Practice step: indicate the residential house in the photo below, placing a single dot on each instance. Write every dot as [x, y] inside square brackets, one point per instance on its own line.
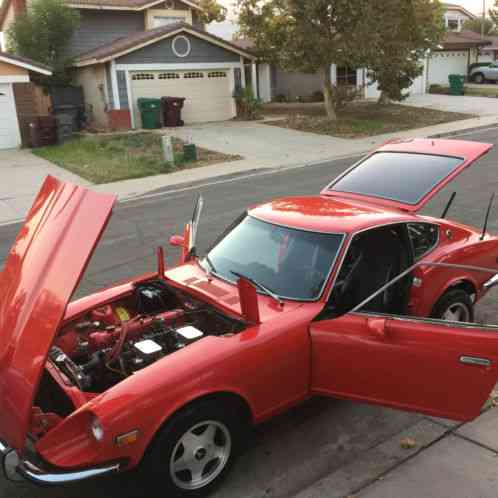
[458, 50]
[128, 49]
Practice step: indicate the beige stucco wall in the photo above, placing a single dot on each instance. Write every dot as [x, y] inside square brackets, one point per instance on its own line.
[92, 79]
[10, 70]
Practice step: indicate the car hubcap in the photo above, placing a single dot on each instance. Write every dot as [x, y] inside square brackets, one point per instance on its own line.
[200, 455]
[457, 312]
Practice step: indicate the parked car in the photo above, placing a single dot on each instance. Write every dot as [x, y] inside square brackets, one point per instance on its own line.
[328, 295]
[484, 74]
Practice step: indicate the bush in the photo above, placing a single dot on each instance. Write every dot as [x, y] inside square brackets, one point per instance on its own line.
[317, 96]
[439, 89]
[248, 106]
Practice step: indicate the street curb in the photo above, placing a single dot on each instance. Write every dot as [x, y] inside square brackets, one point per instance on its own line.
[464, 131]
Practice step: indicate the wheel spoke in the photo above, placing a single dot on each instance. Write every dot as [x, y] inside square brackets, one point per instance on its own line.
[208, 435]
[196, 470]
[190, 442]
[181, 464]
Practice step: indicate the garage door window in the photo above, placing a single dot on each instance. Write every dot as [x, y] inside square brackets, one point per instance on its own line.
[194, 75]
[142, 76]
[217, 74]
[169, 76]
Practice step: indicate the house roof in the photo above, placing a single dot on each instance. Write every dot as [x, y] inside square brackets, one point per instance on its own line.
[454, 6]
[244, 43]
[25, 63]
[463, 40]
[142, 39]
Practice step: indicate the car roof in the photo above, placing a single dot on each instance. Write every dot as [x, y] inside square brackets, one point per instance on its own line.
[327, 214]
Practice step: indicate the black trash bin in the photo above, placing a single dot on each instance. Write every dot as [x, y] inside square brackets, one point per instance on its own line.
[172, 111]
[43, 131]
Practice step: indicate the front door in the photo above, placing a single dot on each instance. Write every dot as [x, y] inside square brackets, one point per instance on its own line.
[432, 367]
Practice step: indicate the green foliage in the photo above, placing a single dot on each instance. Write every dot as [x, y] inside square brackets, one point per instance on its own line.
[212, 11]
[248, 106]
[493, 14]
[43, 34]
[406, 31]
[477, 24]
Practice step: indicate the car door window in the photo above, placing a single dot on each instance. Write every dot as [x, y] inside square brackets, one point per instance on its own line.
[424, 238]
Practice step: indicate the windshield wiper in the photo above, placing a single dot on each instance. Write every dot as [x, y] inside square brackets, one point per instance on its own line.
[267, 291]
[212, 268]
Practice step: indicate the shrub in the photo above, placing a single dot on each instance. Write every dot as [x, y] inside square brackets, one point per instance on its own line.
[317, 96]
[439, 89]
[248, 106]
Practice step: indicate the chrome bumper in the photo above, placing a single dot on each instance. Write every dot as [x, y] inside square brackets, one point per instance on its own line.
[19, 469]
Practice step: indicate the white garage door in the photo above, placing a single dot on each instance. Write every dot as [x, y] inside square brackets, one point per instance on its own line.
[208, 94]
[9, 126]
[442, 64]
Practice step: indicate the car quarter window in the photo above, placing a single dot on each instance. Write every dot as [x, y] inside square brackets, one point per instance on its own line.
[424, 237]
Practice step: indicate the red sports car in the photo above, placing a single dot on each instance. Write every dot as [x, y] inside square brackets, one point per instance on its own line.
[336, 294]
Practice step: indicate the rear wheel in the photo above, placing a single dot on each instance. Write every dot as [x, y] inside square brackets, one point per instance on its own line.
[196, 448]
[454, 306]
[478, 78]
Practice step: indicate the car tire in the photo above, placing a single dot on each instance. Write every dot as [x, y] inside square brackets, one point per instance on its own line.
[478, 78]
[455, 305]
[211, 433]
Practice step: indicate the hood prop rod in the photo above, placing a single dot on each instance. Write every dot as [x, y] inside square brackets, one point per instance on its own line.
[447, 208]
[490, 205]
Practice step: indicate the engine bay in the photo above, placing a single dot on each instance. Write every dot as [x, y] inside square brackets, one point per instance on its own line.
[116, 340]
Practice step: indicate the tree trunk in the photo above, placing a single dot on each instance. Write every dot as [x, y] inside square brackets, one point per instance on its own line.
[383, 99]
[328, 94]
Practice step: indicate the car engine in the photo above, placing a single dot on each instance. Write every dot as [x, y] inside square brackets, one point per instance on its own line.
[118, 339]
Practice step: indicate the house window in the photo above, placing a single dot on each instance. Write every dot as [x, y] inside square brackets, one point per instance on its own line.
[169, 76]
[193, 75]
[453, 25]
[346, 76]
[217, 74]
[142, 76]
[159, 21]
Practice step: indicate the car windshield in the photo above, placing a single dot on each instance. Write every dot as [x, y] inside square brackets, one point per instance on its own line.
[292, 263]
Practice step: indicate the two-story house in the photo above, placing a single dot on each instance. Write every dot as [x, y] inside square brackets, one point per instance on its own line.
[128, 49]
[455, 16]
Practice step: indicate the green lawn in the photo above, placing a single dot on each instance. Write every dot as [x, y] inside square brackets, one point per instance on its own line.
[361, 119]
[109, 158]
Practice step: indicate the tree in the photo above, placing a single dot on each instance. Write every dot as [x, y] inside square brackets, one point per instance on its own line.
[308, 36]
[212, 11]
[406, 31]
[477, 24]
[43, 33]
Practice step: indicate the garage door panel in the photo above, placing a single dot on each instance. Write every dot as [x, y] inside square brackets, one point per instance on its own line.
[207, 93]
[444, 63]
[9, 126]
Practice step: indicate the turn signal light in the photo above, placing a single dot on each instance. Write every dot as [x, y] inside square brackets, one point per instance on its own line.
[128, 438]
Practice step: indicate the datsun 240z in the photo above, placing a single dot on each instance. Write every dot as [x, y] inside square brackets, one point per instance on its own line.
[350, 293]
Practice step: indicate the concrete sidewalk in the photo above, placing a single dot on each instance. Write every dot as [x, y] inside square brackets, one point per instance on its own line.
[449, 460]
[262, 146]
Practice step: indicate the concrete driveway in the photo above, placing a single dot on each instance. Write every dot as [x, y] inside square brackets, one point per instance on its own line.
[480, 106]
[21, 174]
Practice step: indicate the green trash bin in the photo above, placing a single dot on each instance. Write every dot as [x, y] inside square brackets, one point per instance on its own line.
[150, 112]
[457, 82]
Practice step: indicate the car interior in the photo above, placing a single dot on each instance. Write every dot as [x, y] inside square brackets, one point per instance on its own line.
[373, 259]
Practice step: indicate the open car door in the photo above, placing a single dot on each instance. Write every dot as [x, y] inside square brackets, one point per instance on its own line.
[407, 174]
[438, 368]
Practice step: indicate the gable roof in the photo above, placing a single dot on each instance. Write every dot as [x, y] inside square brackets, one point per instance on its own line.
[124, 4]
[25, 63]
[135, 41]
[454, 6]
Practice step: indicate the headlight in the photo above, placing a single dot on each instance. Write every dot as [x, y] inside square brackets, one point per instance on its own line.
[97, 429]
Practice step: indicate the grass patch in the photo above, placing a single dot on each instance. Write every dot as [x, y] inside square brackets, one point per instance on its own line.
[362, 119]
[109, 158]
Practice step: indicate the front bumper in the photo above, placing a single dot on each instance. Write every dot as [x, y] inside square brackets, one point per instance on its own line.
[34, 470]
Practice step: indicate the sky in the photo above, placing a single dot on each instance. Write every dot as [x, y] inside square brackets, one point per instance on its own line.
[227, 29]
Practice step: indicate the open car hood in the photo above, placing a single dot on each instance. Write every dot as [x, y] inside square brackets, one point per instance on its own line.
[41, 273]
[406, 174]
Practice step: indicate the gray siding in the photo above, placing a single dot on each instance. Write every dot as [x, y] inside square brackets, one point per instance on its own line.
[161, 52]
[123, 93]
[98, 28]
[294, 85]
[108, 80]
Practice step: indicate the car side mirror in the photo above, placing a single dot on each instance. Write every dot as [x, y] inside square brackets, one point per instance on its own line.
[177, 241]
[377, 326]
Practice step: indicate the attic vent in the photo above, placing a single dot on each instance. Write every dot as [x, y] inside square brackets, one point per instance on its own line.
[193, 75]
[143, 76]
[169, 76]
[217, 74]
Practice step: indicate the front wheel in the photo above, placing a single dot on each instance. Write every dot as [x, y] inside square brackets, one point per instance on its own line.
[195, 450]
[454, 306]
[479, 78]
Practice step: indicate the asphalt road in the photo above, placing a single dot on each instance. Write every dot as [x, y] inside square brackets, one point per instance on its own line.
[299, 448]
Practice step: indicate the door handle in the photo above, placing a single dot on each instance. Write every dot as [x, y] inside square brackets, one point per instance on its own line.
[475, 360]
